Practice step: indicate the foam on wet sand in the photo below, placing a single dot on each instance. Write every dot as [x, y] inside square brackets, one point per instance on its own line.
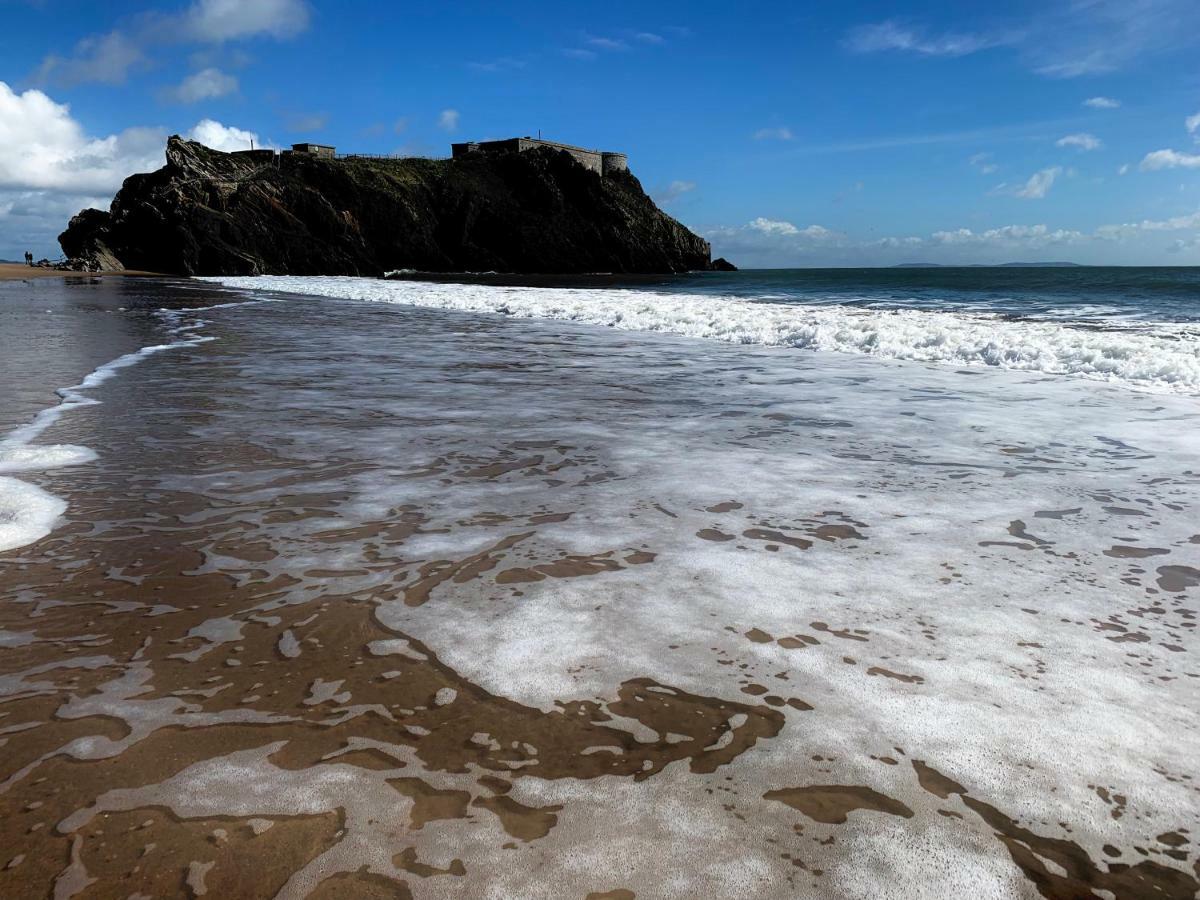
[438, 594]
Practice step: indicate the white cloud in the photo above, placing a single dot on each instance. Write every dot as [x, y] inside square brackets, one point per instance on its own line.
[1039, 184]
[770, 226]
[1170, 159]
[43, 148]
[891, 35]
[1101, 102]
[578, 53]
[774, 134]
[769, 242]
[604, 43]
[1083, 141]
[50, 168]
[213, 134]
[104, 58]
[1129, 229]
[649, 37]
[216, 21]
[780, 228]
[207, 84]
[673, 192]
[108, 58]
[1089, 37]
[1027, 236]
[1063, 39]
[983, 162]
[448, 120]
[1124, 170]
[1192, 124]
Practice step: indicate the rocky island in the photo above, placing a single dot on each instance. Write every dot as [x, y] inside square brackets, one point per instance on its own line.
[537, 210]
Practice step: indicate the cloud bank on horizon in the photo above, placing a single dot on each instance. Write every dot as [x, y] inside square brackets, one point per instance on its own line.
[946, 135]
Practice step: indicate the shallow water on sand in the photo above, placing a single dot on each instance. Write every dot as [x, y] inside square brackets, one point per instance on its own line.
[355, 595]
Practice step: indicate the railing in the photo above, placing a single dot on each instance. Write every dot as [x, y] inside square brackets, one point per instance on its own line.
[387, 156]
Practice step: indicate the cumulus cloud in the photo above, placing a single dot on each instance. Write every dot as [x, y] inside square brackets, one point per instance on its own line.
[50, 167]
[1170, 159]
[1039, 184]
[771, 226]
[216, 21]
[892, 35]
[1192, 124]
[207, 84]
[448, 120]
[774, 134]
[1010, 236]
[1083, 141]
[787, 229]
[673, 192]
[1101, 102]
[42, 147]
[105, 58]
[773, 241]
[226, 138]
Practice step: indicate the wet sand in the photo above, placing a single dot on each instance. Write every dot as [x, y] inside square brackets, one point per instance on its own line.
[21, 272]
[366, 602]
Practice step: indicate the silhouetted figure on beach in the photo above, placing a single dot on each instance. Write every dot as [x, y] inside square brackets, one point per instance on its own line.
[28, 258]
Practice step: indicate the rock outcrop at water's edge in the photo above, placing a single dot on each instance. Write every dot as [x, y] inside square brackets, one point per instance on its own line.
[208, 212]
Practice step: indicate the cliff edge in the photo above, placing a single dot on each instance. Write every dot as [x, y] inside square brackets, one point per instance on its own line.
[207, 213]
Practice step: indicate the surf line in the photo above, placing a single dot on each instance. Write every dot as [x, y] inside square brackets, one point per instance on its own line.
[27, 512]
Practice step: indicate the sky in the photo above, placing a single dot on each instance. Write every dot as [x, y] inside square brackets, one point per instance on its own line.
[790, 134]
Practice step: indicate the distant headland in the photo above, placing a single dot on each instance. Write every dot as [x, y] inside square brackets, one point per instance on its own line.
[520, 205]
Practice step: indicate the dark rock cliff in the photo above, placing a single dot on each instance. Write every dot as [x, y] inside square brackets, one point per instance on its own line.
[208, 212]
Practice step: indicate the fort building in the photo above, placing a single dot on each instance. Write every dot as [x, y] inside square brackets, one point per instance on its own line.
[602, 162]
[325, 151]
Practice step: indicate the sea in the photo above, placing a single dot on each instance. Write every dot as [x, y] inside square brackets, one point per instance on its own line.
[821, 583]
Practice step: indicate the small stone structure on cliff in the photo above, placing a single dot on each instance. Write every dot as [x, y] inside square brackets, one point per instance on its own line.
[602, 162]
[325, 151]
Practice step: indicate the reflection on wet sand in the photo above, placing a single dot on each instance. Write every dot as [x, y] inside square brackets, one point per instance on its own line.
[334, 614]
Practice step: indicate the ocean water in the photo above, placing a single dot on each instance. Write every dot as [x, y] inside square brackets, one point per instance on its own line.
[1135, 326]
[694, 588]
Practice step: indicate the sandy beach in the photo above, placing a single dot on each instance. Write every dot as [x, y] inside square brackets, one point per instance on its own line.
[22, 272]
[443, 604]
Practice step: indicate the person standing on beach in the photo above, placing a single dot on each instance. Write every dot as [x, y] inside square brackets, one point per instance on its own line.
[28, 258]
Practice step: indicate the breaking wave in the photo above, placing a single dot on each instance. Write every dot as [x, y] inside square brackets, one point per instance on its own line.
[1163, 356]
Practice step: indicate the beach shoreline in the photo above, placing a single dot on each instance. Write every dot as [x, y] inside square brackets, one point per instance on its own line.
[440, 591]
[22, 272]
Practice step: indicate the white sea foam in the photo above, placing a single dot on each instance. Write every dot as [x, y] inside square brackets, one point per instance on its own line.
[29, 513]
[1160, 356]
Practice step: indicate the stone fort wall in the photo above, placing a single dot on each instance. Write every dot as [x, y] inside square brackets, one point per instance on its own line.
[600, 162]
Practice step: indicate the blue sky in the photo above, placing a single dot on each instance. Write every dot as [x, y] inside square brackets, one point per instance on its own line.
[859, 133]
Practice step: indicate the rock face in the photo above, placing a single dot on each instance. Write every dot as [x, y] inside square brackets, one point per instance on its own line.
[208, 212]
